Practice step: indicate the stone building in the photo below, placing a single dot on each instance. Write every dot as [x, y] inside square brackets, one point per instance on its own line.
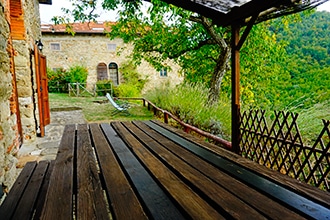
[19, 113]
[92, 48]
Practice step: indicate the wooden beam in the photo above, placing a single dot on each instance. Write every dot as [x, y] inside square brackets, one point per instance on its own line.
[247, 31]
[235, 78]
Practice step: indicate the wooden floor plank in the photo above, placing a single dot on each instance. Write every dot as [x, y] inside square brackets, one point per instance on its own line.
[25, 208]
[296, 195]
[229, 203]
[155, 200]
[194, 205]
[59, 202]
[267, 206]
[90, 198]
[123, 200]
[43, 190]
[8, 207]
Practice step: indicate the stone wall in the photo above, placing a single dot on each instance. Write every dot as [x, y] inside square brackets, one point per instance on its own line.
[25, 70]
[8, 132]
[17, 71]
[91, 49]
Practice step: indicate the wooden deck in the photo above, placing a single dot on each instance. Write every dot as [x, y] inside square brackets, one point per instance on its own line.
[149, 170]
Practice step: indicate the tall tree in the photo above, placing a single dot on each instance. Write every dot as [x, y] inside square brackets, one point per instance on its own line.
[168, 32]
[200, 47]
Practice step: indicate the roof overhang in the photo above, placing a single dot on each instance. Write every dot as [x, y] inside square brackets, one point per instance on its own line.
[239, 12]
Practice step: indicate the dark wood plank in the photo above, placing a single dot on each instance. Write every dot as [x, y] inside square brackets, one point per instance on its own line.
[9, 206]
[294, 185]
[281, 187]
[43, 190]
[125, 204]
[156, 201]
[193, 204]
[90, 198]
[267, 206]
[225, 201]
[25, 208]
[59, 202]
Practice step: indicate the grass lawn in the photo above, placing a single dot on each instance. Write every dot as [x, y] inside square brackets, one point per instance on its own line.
[98, 112]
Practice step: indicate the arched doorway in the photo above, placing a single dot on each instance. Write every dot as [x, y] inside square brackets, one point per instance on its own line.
[113, 72]
[102, 72]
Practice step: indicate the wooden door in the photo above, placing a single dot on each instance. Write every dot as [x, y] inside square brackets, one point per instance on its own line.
[102, 71]
[42, 91]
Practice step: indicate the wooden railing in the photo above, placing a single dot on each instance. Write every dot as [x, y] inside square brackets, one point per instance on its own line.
[280, 147]
[224, 143]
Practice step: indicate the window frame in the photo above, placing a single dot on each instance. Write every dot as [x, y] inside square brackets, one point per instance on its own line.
[53, 44]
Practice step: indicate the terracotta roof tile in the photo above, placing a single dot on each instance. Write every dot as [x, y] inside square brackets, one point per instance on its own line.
[87, 27]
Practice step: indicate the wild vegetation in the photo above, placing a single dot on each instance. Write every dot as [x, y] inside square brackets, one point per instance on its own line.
[58, 79]
[284, 62]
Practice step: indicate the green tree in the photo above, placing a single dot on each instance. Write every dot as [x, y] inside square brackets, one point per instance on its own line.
[200, 47]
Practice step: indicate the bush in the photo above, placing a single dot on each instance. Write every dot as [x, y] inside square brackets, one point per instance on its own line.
[103, 87]
[77, 74]
[132, 78]
[58, 80]
[126, 90]
[189, 103]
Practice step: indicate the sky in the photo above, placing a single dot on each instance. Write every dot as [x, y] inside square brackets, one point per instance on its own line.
[49, 11]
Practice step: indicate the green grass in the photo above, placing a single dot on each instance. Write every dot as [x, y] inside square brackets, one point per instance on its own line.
[94, 111]
[189, 103]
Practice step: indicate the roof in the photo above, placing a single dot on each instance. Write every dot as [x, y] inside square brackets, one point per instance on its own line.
[230, 12]
[88, 27]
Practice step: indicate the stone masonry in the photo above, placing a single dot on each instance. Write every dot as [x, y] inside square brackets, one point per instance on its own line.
[7, 118]
[19, 29]
[89, 48]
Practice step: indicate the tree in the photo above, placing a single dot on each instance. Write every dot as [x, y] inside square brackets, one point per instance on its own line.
[200, 47]
[167, 32]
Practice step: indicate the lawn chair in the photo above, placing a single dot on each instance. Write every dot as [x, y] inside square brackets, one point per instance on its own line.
[118, 107]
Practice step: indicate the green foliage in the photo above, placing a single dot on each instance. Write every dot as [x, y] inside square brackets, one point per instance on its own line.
[308, 48]
[133, 83]
[132, 77]
[189, 102]
[126, 90]
[58, 80]
[77, 74]
[103, 87]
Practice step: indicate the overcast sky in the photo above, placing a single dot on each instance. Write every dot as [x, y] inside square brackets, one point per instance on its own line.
[49, 11]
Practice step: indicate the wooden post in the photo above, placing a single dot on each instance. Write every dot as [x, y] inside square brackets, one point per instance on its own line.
[165, 117]
[235, 78]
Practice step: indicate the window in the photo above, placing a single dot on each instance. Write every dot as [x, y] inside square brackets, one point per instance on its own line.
[113, 73]
[112, 47]
[55, 46]
[163, 72]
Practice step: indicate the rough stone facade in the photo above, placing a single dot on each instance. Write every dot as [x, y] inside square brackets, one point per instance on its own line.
[8, 119]
[90, 49]
[25, 70]
[19, 29]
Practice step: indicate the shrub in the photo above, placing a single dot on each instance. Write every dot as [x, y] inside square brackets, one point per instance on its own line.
[58, 80]
[126, 90]
[103, 87]
[132, 78]
[189, 103]
[77, 74]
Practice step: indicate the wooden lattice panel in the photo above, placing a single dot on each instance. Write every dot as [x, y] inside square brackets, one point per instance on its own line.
[280, 147]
